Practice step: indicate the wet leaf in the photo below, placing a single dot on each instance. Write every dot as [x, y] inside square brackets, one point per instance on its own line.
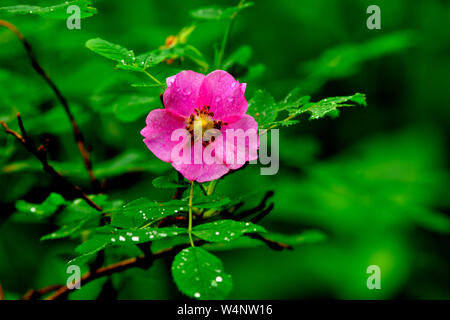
[199, 274]
[224, 230]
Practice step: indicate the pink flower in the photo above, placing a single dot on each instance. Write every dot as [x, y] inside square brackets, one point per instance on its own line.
[212, 102]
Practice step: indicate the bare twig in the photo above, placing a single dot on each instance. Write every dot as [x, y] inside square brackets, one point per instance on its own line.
[41, 154]
[76, 131]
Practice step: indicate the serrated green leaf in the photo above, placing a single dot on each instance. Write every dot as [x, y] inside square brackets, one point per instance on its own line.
[110, 50]
[142, 212]
[329, 105]
[58, 11]
[199, 274]
[225, 230]
[124, 237]
[263, 108]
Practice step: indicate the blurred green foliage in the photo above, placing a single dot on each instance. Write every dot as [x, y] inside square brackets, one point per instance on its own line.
[374, 180]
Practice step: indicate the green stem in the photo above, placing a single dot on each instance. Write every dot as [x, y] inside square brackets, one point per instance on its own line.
[153, 78]
[226, 36]
[191, 194]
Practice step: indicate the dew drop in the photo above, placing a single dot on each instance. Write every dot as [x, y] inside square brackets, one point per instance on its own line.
[33, 209]
[113, 239]
[219, 279]
[197, 295]
[121, 238]
[135, 238]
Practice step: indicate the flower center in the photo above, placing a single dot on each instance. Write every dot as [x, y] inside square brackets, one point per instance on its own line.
[203, 120]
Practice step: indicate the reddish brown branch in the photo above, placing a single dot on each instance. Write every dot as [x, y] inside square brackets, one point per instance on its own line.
[41, 154]
[2, 294]
[76, 131]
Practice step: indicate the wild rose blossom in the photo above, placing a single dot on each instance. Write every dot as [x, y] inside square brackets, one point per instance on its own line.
[212, 107]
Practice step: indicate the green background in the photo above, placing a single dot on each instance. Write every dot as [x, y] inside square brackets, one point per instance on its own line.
[374, 180]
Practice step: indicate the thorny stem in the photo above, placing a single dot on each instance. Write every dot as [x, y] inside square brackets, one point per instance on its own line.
[226, 36]
[191, 194]
[76, 130]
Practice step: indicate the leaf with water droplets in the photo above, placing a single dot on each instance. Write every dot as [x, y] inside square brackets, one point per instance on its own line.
[329, 106]
[40, 211]
[263, 108]
[110, 50]
[199, 274]
[225, 230]
[143, 211]
[58, 11]
[144, 235]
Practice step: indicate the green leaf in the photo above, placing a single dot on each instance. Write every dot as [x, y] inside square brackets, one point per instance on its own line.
[263, 108]
[44, 210]
[67, 230]
[199, 274]
[58, 11]
[142, 212]
[329, 105]
[110, 50]
[93, 245]
[144, 235]
[210, 202]
[168, 182]
[294, 240]
[225, 230]
[294, 99]
[217, 13]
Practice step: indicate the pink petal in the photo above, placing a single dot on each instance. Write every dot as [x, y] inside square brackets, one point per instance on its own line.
[201, 172]
[239, 156]
[224, 95]
[182, 92]
[160, 125]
